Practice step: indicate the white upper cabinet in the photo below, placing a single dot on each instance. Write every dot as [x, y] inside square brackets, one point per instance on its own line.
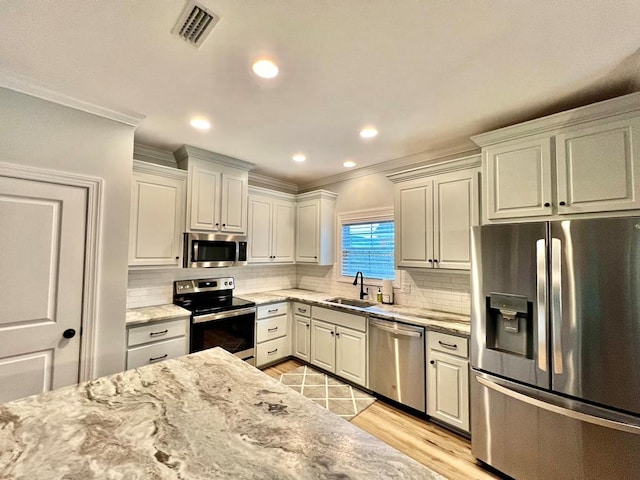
[435, 208]
[585, 160]
[518, 179]
[157, 215]
[216, 192]
[271, 226]
[315, 227]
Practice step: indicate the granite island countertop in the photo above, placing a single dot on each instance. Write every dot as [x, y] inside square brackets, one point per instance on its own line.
[202, 416]
[446, 322]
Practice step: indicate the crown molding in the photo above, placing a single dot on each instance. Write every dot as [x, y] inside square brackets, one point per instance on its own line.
[186, 152]
[619, 106]
[155, 169]
[472, 161]
[464, 148]
[27, 86]
[268, 192]
[155, 155]
[258, 180]
[326, 194]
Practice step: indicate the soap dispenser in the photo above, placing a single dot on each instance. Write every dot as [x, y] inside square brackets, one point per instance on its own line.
[379, 295]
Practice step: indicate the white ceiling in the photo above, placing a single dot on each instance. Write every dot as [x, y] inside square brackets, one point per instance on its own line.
[427, 73]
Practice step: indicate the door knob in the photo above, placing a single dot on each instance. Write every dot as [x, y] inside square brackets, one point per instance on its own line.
[69, 333]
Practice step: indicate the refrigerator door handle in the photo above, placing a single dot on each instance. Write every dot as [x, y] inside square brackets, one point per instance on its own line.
[583, 417]
[541, 300]
[556, 304]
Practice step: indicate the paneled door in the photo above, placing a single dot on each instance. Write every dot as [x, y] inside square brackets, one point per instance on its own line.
[42, 252]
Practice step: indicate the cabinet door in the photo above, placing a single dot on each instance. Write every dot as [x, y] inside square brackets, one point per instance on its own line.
[323, 345]
[307, 229]
[414, 233]
[518, 179]
[597, 167]
[156, 219]
[301, 337]
[351, 355]
[283, 231]
[448, 389]
[456, 205]
[204, 198]
[233, 205]
[260, 220]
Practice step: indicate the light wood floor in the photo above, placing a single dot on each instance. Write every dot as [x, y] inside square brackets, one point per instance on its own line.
[437, 448]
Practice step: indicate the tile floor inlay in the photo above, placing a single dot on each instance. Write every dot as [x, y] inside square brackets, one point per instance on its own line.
[328, 392]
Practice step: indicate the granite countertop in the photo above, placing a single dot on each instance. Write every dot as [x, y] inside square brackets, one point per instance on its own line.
[202, 416]
[156, 313]
[435, 320]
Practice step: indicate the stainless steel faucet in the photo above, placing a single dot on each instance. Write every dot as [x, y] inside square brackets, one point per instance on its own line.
[355, 282]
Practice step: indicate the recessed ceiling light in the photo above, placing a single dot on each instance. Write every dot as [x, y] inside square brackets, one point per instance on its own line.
[265, 68]
[200, 124]
[368, 132]
[349, 164]
[298, 157]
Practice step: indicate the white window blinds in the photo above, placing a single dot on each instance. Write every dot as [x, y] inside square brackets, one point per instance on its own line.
[368, 247]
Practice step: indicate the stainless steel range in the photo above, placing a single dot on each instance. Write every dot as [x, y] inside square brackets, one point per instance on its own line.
[218, 319]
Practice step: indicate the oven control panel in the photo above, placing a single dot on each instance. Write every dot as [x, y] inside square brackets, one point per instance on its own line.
[203, 285]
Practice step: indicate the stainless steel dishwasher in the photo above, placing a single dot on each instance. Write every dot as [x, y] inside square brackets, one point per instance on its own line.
[397, 362]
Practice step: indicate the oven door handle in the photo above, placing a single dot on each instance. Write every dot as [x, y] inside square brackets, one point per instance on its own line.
[212, 317]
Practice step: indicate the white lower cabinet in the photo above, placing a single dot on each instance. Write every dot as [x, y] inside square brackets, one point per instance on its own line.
[272, 333]
[301, 338]
[339, 344]
[157, 341]
[448, 379]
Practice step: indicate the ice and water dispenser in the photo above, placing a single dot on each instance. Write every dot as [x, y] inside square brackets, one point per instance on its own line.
[509, 324]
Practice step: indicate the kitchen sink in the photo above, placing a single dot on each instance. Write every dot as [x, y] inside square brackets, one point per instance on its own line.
[351, 302]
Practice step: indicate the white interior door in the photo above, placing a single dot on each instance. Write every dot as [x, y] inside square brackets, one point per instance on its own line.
[42, 249]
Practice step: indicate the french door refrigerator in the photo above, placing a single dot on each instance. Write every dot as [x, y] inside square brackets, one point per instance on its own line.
[555, 348]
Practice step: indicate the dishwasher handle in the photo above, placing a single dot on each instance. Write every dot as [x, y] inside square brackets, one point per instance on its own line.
[407, 331]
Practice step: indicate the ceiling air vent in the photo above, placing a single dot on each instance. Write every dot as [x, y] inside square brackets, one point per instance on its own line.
[195, 24]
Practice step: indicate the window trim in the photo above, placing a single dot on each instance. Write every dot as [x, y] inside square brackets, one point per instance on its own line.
[370, 215]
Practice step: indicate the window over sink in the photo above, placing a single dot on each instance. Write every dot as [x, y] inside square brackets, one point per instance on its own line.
[367, 244]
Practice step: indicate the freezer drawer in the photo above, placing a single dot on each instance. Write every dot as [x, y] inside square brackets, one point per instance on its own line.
[529, 434]
[397, 362]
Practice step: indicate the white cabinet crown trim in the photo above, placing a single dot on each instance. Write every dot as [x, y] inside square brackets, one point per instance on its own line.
[161, 170]
[188, 152]
[447, 166]
[618, 107]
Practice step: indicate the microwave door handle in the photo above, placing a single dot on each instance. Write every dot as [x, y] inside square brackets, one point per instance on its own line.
[194, 251]
[541, 300]
[556, 304]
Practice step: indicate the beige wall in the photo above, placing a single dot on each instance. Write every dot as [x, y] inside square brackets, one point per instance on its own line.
[370, 191]
[42, 134]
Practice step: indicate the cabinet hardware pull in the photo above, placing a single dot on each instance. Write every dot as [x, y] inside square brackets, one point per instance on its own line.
[272, 352]
[224, 224]
[272, 329]
[432, 362]
[429, 260]
[332, 334]
[435, 260]
[547, 204]
[273, 311]
[563, 203]
[302, 310]
[158, 358]
[158, 334]
[307, 325]
[448, 345]
[338, 335]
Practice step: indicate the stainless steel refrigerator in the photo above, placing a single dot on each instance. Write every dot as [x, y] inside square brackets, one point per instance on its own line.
[555, 348]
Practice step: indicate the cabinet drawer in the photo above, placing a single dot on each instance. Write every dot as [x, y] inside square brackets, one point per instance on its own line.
[272, 351]
[340, 318]
[157, 331]
[302, 309]
[266, 311]
[271, 328]
[156, 352]
[451, 344]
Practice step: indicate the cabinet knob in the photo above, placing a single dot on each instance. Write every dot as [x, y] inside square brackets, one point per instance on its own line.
[435, 260]
[217, 224]
[563, 203]
[432, 362]
[177, 258]
[332, 334]
[338, 335]
[430, 260]
[307, 325]
[547, 204]
[224, 224]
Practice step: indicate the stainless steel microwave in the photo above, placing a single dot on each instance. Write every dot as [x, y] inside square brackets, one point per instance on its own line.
[207, 250]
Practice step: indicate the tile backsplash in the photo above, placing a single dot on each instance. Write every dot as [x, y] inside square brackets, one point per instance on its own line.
[444, 290]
